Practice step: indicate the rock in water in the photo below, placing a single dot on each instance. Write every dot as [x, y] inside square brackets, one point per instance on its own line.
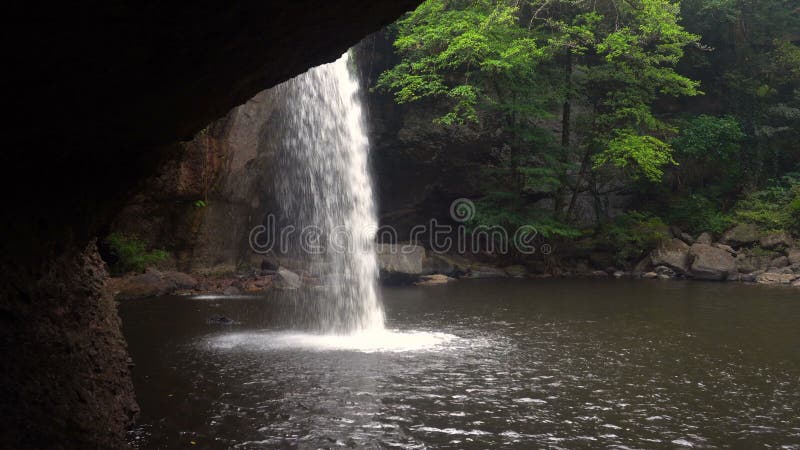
[219, 319]
[776, 278]
[401, 258]
[486, 272]
[711, 263]
[673, 254]
[286, 279]
[231, 290]
[665, 272]
[516, 271]
[434, 280]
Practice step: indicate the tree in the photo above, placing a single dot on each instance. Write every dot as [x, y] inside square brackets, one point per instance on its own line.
[522, 59]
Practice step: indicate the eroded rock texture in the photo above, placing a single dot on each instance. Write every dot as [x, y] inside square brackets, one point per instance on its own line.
[63, 337]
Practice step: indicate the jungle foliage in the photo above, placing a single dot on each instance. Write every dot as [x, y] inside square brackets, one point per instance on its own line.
[693, 106]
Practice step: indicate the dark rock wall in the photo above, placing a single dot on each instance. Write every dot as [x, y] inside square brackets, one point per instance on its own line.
[227, 168]
[65, 364]
[98, 95]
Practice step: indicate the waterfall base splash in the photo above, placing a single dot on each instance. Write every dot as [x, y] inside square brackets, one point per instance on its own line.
[365, 342]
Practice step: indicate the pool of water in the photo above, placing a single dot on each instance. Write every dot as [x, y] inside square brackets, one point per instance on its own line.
[478, 364]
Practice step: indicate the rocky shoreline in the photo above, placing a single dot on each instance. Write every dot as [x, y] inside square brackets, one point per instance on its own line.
[743, 254]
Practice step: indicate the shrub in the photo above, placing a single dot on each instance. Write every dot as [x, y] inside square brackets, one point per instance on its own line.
[630, 236]
[698, 214]
[794, 213]
[131, 253]
[510, 211]
[776, 207]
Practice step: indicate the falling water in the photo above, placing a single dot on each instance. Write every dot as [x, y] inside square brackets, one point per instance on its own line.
[324, 190]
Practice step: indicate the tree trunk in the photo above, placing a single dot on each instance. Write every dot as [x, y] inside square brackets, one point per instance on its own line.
[566, 118]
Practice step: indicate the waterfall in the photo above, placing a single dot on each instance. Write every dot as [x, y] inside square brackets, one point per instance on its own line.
[324, 190]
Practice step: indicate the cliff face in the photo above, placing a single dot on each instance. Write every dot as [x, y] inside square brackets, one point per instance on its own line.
[202, 203]
[100, 93]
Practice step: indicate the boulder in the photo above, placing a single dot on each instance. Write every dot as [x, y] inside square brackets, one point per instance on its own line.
[598, 274]
[437, 263]
[778, 241]
[705, 238]
[779, 262]
[794, 256]
[286, 279]
[776, 278]
[727, 248]
[219, 319]
[434, 280]
[754, 259]
[647, 275]
[145, 285]
[139, 288]
[784, 270]
[686, 237]
[665, 272]
[181, 280]
[231, 290]
[746, 264]
[486, 272]
[742, 234]
[750, 277]
[673, 254]
[641, 267]
[711, 263]
[402, 259]
[516, 271]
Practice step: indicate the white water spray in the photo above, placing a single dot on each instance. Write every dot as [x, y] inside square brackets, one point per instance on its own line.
[324, 190]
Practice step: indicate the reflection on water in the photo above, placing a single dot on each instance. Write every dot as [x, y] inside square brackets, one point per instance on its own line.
[560, 364]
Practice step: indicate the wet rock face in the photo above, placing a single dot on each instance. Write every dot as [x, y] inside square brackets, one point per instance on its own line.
[65, 382]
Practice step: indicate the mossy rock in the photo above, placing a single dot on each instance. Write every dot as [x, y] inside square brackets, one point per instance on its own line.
[742, 234]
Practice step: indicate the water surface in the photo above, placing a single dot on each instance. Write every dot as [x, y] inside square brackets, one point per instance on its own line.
[479, 364]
